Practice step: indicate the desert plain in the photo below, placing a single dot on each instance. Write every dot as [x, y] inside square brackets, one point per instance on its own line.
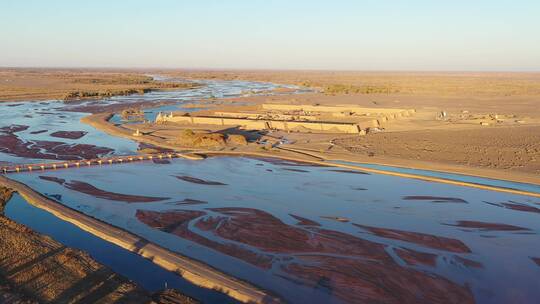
[478, 124]
[490, 126]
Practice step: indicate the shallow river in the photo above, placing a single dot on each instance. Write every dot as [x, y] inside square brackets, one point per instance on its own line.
[309, 234]
[318, 234]
[33, 132]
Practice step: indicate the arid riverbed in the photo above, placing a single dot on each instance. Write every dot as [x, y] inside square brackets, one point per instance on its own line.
[300, 231]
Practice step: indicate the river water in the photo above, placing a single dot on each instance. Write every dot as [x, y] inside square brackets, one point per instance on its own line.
[29, 130]
[309, 234]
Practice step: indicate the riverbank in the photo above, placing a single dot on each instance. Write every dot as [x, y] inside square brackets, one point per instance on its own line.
[193, 271]
[100, 121]
[469, 123]
[305, 153]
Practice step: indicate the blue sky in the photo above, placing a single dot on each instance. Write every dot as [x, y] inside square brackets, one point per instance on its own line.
[338, 34]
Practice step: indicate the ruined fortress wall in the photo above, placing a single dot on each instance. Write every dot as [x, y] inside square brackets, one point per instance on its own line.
[265, 124]
[177, 119]
[325, 127]
[208, 121]
[235, 114]
[257, 115]
[330, 109]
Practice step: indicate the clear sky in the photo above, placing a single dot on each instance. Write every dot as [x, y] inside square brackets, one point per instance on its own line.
[273, 34]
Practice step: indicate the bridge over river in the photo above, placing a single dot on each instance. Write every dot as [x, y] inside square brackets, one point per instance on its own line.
[18, 168]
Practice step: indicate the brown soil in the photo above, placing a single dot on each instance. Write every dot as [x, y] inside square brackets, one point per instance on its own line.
[89, 189]
[413, 257]
[236, 139]
[468, 263]
[10, 143]
[353, 281]
[188, 138]
[13, 128]
[483, 226]
[348, 277]
[428, 240]
[516, 206]
[190, 201]
[505, 148]
[155, 149]
[42, 270]
[171, 296]
[521, 207]
[69, 134]
[176, 222]
[199, 181]
[39, 132]
[435, 199]
[348, 171]
[5, 196]
[161, 161]
[304, 221]
[205, 139]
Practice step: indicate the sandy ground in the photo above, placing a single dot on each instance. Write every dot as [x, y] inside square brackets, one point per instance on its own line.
[46, 84]
[510, 152]
[507, 147]
[437, 84]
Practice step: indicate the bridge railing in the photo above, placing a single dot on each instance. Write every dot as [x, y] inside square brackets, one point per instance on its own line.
[18, 168]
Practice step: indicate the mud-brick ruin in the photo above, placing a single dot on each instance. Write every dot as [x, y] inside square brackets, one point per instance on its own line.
[294, 118]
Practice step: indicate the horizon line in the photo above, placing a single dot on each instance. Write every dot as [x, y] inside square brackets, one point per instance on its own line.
[207, 69]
